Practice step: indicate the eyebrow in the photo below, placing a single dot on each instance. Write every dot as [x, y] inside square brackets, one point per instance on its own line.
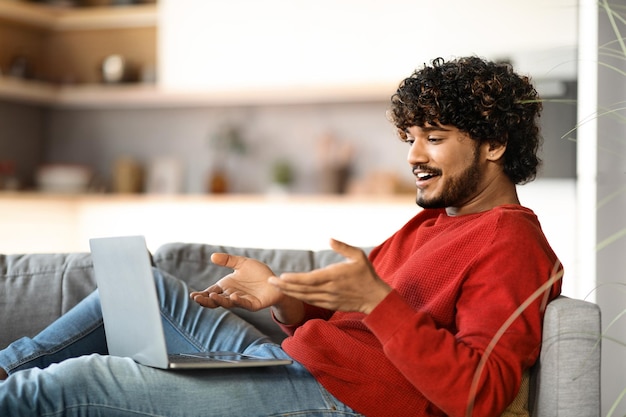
[436, 127]
[429, 129]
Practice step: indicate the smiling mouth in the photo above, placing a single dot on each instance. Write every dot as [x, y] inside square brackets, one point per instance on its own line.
[423, 176]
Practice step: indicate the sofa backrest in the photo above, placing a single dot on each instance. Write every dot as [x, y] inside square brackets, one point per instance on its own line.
[35, 289]
[192, 263]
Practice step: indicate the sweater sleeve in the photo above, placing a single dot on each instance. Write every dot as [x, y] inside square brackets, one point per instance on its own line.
[480, 364]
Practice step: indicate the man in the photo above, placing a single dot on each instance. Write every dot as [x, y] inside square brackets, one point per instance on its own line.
[429, 324]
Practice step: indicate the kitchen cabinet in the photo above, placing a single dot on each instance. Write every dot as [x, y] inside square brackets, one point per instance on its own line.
[54, 54]
[210, 53]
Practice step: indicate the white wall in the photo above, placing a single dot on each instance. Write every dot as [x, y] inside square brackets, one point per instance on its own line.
[249, 43]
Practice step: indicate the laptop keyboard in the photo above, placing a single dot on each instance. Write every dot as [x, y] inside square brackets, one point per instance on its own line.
[213, 357]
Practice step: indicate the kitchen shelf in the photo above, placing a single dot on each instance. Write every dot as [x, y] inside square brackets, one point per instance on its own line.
[59, 21]
[153, 96]
[82, 35]
[65, 18]
[16, 89]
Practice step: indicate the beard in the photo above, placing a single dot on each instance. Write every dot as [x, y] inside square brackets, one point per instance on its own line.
[458, 189]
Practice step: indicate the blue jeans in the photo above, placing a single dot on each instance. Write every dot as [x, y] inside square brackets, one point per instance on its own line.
[65, 370]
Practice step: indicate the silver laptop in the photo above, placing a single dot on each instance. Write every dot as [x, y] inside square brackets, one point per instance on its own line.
[130, 310]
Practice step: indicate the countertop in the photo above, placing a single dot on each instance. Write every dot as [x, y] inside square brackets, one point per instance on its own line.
[42, 222]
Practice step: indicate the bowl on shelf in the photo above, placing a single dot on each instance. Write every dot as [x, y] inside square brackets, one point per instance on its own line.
[63, 178]
[100, 3]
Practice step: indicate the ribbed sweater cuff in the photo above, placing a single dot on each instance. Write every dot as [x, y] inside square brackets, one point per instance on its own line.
[388, 316]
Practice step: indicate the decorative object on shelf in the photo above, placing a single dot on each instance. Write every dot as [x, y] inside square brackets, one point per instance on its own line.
[64, 178]
[283, 172]
[128, 176]
[335, 160]
[117, 69]
[21, 67]
[148, 74]
[113, 69]
[218, 182]
[165, 176]
[282, 177]
[9, 180]
[227, 145]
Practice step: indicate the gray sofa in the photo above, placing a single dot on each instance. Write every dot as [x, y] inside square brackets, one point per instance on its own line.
[37, 288]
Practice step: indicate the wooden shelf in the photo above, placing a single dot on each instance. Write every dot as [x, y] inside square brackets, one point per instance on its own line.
[83, 35]
[153, 96]
[60, 19]
[15, 89]
[65, 22]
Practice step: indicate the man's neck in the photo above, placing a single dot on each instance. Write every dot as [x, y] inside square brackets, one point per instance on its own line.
[489, 198]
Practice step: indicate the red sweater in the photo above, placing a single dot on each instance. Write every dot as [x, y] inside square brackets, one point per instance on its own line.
[456, 280]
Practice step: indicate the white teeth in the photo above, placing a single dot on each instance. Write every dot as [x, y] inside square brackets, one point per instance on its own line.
[422, 175]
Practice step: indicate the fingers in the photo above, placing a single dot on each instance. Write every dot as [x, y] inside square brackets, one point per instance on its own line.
[229, 261]
[213, 288]
[207, 298]
[297, 286]
[292, 283]
[350, 252]
[204, 300]
[212, 299]
[315, 277]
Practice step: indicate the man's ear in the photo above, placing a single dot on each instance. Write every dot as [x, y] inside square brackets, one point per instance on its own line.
[495, 151]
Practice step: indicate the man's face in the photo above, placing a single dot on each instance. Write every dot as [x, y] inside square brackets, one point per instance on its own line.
[447, 166]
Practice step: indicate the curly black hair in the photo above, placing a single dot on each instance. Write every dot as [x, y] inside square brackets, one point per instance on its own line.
[486, 100]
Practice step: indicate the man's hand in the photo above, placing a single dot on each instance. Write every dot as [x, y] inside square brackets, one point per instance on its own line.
[352, 285]
[246, 287]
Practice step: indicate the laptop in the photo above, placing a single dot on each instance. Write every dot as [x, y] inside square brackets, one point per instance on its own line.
[131, 314]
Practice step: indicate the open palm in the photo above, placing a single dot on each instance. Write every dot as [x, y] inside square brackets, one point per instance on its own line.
[245, 287]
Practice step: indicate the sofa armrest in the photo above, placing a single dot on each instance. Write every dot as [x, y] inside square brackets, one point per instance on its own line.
[567, 375]
[35, 289]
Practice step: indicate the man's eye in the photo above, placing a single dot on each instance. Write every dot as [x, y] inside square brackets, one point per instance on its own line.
[410, 141]
[433, 139]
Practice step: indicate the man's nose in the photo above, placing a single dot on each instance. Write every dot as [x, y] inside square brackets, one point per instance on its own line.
[416, 154]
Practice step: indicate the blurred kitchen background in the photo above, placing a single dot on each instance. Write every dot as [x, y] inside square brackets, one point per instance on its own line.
[243, 96]
[256, 123]
[244, 122]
